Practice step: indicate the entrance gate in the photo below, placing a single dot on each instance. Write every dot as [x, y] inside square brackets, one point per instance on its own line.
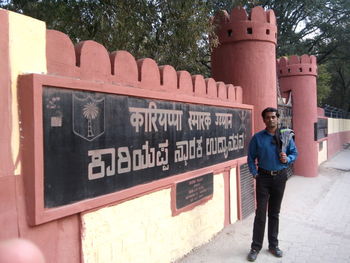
[285, 109]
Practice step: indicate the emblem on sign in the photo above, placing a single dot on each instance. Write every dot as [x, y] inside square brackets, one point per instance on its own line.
[88, 116]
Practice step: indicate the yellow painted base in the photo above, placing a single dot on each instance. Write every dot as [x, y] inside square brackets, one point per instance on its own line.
[233, 196]
[322, 154]
[144, 230]
[338, 125]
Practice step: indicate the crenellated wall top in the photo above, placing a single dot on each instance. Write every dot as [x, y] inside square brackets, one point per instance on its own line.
[297, 66]
[89, 60]
[259, 25]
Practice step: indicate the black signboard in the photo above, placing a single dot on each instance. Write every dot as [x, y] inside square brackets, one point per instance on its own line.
[98, 143]
[321, 128]
[193, 190]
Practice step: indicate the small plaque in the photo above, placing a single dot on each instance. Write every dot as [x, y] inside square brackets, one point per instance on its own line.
[193, 190]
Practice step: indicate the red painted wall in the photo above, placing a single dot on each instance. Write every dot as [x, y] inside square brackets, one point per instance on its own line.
[7, 166]
[336, 142]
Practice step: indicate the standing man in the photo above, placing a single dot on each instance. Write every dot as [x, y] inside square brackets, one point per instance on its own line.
[268, 165]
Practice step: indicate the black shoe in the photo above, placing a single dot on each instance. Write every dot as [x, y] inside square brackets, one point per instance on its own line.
[252, 255]
[276, 252]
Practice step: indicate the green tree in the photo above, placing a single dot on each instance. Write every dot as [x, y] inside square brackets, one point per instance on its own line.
[171, 32]
[340, 80]
[323, 84]
[176, 32]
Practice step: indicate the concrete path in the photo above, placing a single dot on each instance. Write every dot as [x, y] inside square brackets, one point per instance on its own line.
[314, 222]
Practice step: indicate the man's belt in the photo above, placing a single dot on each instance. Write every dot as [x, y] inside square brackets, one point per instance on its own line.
[271, 173]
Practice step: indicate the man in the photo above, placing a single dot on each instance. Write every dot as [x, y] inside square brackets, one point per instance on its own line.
[271, 177]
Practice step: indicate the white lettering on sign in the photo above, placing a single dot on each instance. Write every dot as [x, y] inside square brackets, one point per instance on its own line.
[152, 117]
[188, 150]
[199, 120]
[223, 119]
[219, 145]
[127, 160]
[98, 164]
[123, 160]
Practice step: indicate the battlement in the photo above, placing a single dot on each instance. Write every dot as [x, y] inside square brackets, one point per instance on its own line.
[297, 66]
[260, 25]
[90, 60]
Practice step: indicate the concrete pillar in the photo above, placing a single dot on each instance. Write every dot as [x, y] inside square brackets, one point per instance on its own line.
[246, 56]
[298, 76]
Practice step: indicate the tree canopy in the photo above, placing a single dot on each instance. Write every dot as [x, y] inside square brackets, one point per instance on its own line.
[176, 32]
[171, 32]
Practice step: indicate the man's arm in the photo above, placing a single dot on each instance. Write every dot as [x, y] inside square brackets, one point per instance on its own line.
[292, 152]
[252, 154]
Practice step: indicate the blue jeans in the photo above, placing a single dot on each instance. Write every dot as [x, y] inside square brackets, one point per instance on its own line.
[269, 194]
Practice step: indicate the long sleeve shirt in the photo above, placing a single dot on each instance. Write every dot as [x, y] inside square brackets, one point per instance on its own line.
[263, 149]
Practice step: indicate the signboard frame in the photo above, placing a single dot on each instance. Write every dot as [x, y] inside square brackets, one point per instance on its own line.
[31, 105]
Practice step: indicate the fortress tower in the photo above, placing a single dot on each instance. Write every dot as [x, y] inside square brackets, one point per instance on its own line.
[246, 56]
[298, 76]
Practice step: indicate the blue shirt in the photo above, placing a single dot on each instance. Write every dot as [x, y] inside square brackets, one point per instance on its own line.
[263, 148]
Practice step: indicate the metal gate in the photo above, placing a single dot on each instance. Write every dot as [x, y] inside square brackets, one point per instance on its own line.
[285, 109]
[247, 191]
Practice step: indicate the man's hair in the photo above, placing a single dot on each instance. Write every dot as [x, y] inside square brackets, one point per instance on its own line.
[270, 109]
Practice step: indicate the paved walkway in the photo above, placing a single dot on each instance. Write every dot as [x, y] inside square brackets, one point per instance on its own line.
[314, 222]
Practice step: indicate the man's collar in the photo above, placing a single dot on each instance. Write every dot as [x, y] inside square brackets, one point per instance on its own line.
[267, 132]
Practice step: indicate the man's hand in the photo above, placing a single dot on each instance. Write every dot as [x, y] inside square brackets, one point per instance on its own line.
[283, 157]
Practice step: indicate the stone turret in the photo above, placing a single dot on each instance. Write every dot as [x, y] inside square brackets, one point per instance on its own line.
[246, 56]
[298, 76]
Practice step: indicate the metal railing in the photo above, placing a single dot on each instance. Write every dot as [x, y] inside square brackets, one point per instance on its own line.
[334, 112]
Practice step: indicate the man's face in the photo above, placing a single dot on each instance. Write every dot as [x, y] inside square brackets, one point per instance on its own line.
[270, 120]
